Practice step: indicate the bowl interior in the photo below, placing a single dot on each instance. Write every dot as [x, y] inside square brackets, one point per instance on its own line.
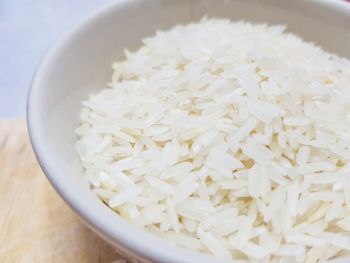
[81, 64]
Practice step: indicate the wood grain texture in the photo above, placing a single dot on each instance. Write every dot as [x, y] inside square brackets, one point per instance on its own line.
[35, 224]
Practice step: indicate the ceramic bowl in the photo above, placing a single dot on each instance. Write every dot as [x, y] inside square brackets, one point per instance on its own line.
[80, 63]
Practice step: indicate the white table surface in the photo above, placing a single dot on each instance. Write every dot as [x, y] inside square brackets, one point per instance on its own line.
[27, 30]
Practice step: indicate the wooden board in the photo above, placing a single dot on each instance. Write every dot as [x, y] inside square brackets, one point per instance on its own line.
[35, 224]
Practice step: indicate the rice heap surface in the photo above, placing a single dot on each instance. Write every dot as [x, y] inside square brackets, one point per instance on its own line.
[227, 138]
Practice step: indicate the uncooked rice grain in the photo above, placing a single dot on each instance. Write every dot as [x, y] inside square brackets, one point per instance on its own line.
[226, 138]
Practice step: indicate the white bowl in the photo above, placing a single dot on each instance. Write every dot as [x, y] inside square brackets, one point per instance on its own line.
[80, 63]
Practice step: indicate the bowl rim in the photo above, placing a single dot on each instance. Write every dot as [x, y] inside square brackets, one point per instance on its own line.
[155, 251]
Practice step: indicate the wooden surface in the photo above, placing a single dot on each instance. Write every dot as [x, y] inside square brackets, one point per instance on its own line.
[35, 224]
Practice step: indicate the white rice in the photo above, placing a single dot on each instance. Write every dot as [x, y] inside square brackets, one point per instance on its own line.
[227, 138]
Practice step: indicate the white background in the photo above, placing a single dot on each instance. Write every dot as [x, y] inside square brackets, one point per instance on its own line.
[27, 30]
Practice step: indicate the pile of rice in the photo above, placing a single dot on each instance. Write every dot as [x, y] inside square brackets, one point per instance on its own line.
[227, 138]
